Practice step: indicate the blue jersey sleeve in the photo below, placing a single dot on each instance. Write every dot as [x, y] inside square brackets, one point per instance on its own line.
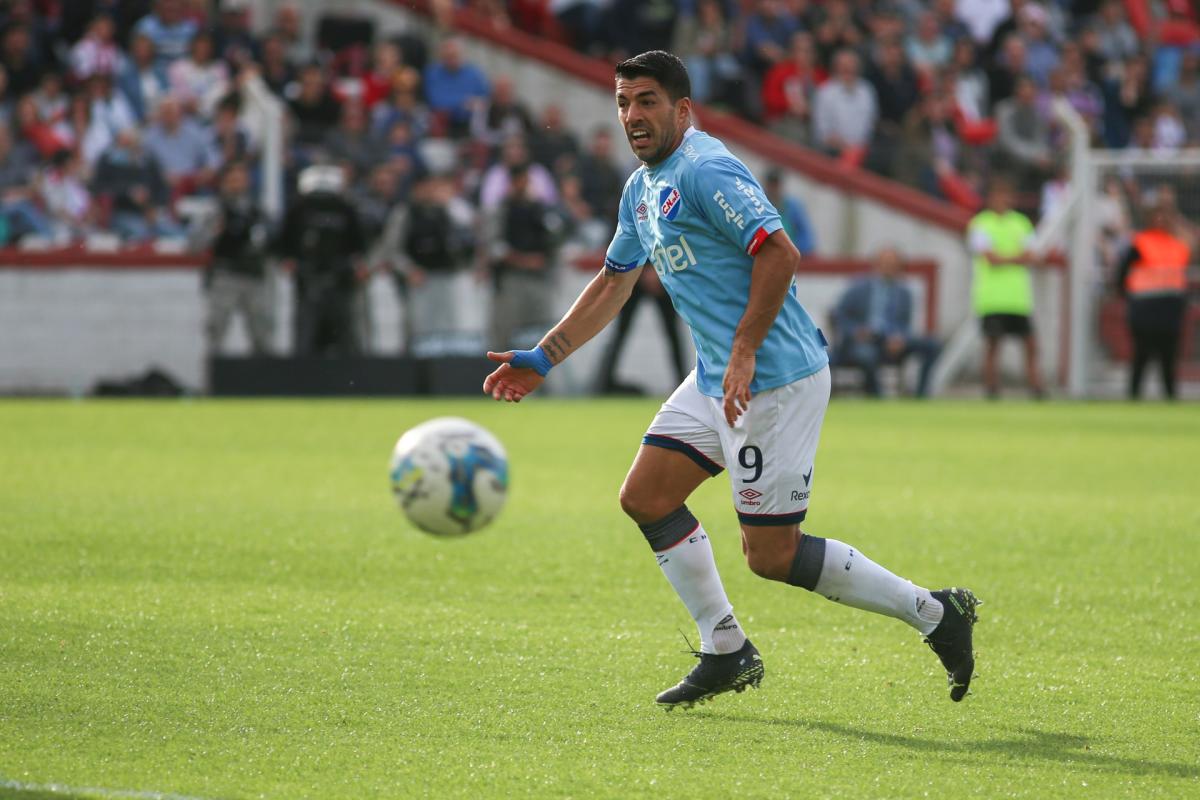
[735, 204]
[625, 253]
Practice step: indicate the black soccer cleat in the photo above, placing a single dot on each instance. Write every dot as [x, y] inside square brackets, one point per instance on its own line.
[951, 639]
[714, 675]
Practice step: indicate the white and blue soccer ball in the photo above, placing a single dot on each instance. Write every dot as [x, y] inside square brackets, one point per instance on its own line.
[450, 476]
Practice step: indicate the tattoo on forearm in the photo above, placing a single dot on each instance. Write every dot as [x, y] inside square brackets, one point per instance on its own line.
[557, 347]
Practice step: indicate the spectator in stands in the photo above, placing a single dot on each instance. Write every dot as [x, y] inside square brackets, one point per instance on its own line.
[837, 30]
[769, 29]
[277, 70]
[142, 79]
[64, 194]
[236, 279]
[29, 127]
[1170, 134]
[1117, 40]
[228, 140]
[982, 17]
[1185, 94]
[950, 25]
[289, 24]
[428, 244]
[790, 87]
[181, 148]
[1078, 89]
[1153, 279]
[601, 182]
[584, 23]
[323, 243]
[636, 26]
[20, 60]
[352, 144]
[6, 102]
[96, 53]
[314, 108]
[169, 29]
[403, 104]
[84, 133]
[52, 102]
[845, 111]
[454, 88]
[704, 41]
[895, 85]
[927, 47]
[375, 201]
[233, 40]
[792, 212]
[970, 82]
[928, 155]
[495, 184]
[404, 155]
[130, 180]
[1023, 137]
[873, 320]
[21, 215]
[524, 235]
[109, 107]
[502, 115]
[1008, 68]
[1127, 98]
[999, 239]
[199, 80]
[553, 145]
[1041, 49]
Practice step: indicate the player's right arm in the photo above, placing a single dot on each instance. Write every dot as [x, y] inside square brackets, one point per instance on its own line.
[521, 372]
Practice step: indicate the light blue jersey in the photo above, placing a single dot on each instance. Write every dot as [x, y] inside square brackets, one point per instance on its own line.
[701, 216]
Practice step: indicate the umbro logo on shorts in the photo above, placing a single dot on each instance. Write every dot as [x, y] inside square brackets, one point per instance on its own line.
[750, 496]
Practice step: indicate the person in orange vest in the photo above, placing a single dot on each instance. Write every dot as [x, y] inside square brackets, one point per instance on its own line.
[1153, 278]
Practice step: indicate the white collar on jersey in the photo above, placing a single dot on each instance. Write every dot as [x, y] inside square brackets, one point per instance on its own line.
[691, 129]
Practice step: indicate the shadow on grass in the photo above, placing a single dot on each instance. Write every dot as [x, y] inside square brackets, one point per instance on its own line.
[1027, 744]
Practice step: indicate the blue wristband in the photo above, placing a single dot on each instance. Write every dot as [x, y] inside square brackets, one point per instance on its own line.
[535, 359]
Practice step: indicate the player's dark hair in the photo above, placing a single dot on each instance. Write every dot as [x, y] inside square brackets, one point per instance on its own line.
[664, 67]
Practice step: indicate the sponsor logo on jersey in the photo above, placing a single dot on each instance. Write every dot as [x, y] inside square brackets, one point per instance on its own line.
[732, 215]
[669, 201]
[748, 190]
[690, 152]
[643, 212]
[673, 257]
[799, 496]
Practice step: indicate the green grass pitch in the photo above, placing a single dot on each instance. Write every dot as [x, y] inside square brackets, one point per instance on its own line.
[220, 600]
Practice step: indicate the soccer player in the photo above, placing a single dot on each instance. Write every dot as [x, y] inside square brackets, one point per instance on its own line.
[754, 403]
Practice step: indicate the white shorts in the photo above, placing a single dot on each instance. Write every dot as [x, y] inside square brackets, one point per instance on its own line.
[769, 451]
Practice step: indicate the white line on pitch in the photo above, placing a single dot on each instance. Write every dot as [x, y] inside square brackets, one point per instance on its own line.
[115, 794]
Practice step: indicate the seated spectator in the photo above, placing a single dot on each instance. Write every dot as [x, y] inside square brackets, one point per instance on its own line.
[1023, 137]
[837, 30]
[896, 86]
[601, 182]
[790, 87]
[636, 26]
[109, 107]
[1007, 69]
[1127, 98]
[553, 145]
[404, 103]
[277, 70]
[928, 49]
[405, 154]
[31, 128]
[949, 24]
[502, 115]
[314, 107]
[169, 29]
[1117, 40]
[873, 321]
[130, 179]
[1185, 94]
[181, 148]
[1169, 131]
[85, 133]
[792, 212]
[970, 82]
[199, 80]
[769, 30]
[704, 42]
[289, 24]
[376, 84]
[1040, 47]
[96, 53]
[18, 208]
[20, 60]
[228, 140]
[142, 79]
[454, 88]
[64, 195]
[494, 186]
[845, 111]
[352, 144]
[52, 102]
[233, 40]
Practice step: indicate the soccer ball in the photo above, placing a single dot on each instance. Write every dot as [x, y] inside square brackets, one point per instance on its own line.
[450, 476]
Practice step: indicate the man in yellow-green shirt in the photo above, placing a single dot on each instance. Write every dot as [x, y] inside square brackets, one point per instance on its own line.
[1002, 293]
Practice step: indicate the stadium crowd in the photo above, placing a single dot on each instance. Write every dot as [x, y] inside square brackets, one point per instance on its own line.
[114, 112]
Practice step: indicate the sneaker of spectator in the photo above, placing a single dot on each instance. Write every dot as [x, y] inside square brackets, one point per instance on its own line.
[199, 80]
[129, 181]
[704, 42]
[233, 40]
[353, 145]
[65, 196]
[403, 103]
[181, 148]
[1042, 50]
[17, 200]
[454, 88]
[501, 116]
[845, 111]
[553, 144]
[790, 87]
[314, 107]
[1117, 39]
[96, 53]
[20, 59]
[927, 48]
[1023, 137]
[769, 29]
[276, 68]
[141, 78]
[169, 29]
[514, 154]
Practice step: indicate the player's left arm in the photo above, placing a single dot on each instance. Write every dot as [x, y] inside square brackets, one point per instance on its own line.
[775, 265]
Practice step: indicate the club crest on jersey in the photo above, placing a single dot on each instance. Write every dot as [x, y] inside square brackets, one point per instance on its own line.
[669, 201]
[643, 213]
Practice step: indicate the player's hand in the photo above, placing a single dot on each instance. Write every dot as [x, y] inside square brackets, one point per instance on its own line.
[509, 383]
[736, 386]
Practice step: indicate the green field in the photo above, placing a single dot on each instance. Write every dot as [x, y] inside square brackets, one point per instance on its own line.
[220, 600]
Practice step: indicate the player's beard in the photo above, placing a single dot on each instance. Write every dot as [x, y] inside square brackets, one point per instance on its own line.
[663, 150]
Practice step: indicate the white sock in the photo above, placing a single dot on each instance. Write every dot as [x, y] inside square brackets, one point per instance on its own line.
[690, 568]
[850, 578]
